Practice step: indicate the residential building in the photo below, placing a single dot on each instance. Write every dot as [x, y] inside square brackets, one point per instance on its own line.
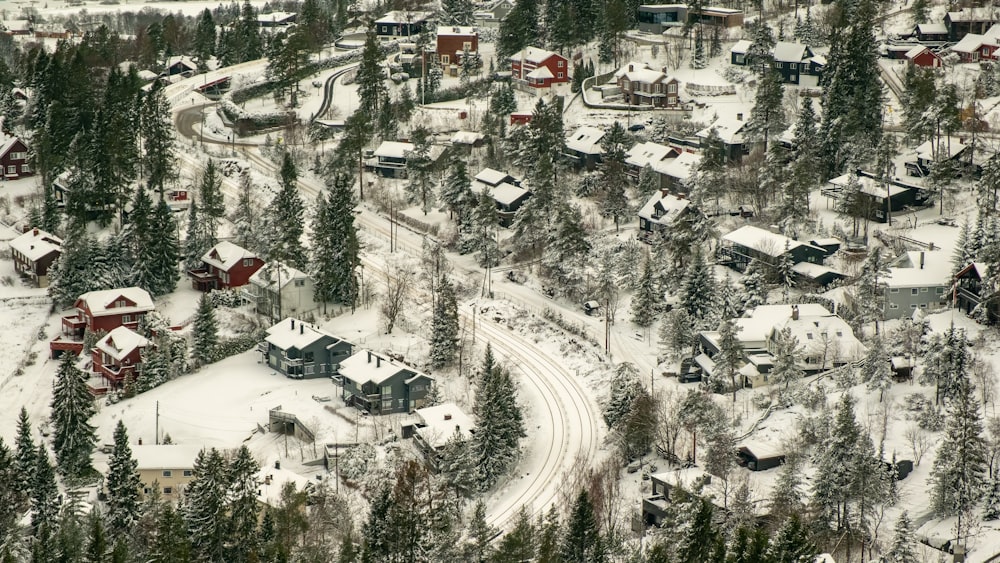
[493, 13]
[118, 356]
[17, 27]
[760, 456]
[825, 341]
[640, 85]
[34, 252]
[276, 19]
[676, 173]
[303, 351]
[792, 60]
[921, 55]
[973, 293]
[583, 147]
[876, 200]
[730, 133]
[970, 20]
[467, 140]
[975, 47]
[103, 310]
[917, 280]
[662, 211]
[272, 480]
[929, 152]
[452, 41]
[400, 23]
[379, 385]
[391, 159]
[278, 290]
[647, 154]
[14, 158]
[505, 190]
[657, 18]
[539, 68]
[437, 425]
[931, 32]
[754, 327]
[182, 65]
[741, 246]
[225, 266]
[169, 467]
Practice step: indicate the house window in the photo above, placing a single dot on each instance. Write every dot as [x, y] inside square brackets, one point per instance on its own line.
[247, 262]
[309, 356]
[387, 405]
[809, 335]
[560, 75]
[561, 64]
[923, 305]
[445, 59]
[145, 490]
[939, 290]
[387, 389]
[167, 473]
[300, 283]
[417, 388]
[739, 59]
[671, 88]
[310, 370]
[914, 291]
[893, 306]
[777, 65]
[467, 46]
[894, 290]
[188, 473]
[17, 155]
[385, 29]
[12, 169]
[913, 306]
[923, 290]
[126, 319]
[120, 303]
[168, 490]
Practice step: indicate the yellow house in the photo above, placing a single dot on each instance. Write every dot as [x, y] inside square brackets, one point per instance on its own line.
[171, 467]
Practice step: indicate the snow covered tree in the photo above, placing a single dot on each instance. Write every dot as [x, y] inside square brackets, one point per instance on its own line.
[156, 130]
[755, 285]
[729, 360]
[455, 192]
[500, 424]
[677, 334]
[72, 406]
[870, 288]
[767, 118]
[784, 273]
[456, 12]
[242, 507]
[582, 541]
[791, 543]
[213, 204]
[802, 176]
[478, 536]
[205, 334]
[697, 292]
[565, 251]
[205, 508]
[371, 75]
[156, 264]
[287, 218]
[699, 59]
[444, 325]
[876, 370]
[44, 495]
[901, 550]
[481, 231]
[698, 538]
[786, 496]
[787, 354]
[649, 181]
[123, 485]
[519, 29]
[946, 361]
[625, 387]
[645, 299]
[458, 464]
[991, 504]
[419, 187]
[25, 454]
[199, 240]
[759, 54]
[959, 470]
[335, 246]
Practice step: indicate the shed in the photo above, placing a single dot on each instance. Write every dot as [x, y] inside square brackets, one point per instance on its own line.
[760, 457]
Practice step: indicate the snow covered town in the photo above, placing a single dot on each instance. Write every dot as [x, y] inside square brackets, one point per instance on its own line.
[500, 281]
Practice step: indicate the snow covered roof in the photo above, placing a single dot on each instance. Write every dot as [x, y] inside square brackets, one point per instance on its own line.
[36, 244]
[813, 271]
[466, 138]
[146, 75]
[441, 422]
[762, 240]
[741, 47]
[972, 42]
[757, 323]
[401, 16]
[819, 60]
[647, 153]
[935, 28]
[394, 149]
[532, 55]
[225, 255]
[908, 272]
[121, 342]
[663, 208]
[366, 366]
[102, 302]
[762, 450]
[449, 30]
[869, 186]
[914, 51]
[293, 333]
[639, 72]
[679, 168]
[974, 15]
[729, 130]
[17, 25]
[165, 456]
[811, 331]
[7, 142]
[492, 177]
[953, 146]
[540, 73]
[507, 194]
[271, 274]
[271, 481]
[276, 17]
[586, 140]
[183, 60]
[786, 51]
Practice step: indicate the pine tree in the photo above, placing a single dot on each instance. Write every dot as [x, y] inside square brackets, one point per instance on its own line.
[242, 507]
[649, 181]
[518, 544]
[876, 370]
[699, 59]
[729, 360]
[170, 541]
[991, 505]
[418, 167]
[565, 250]
[645, 299]
[198, 240]
[787, 354]
[156, 269]
[335, 246]
[213, 204]
[204, 39]
[97, 544]
[902, 550]
[500, 424]
[245, 221]
[786, 496]
[519, 29]
[458, 464]
[444, 325]
[961, 257]
[25, 457]
[375, 531]
[157, 133]
[123, 485]
[960, 467]
[481, 234]
[455, 192]
[697, 292]
[205, 332]
[625, 387]
[72, 406]
[582, 541]
[698, 539]
[44, 495]
[920, 11]
[371, 76]
[205, 512]
[479, 534]
[791, 543]
[286, 213]
[767, 118]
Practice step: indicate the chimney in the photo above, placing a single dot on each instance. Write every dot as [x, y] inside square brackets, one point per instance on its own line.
[378, 361]
[664, 192]
[795, 312]
[458, 428]
[739, 117]
[35, 232]
[447, 417]
[369, 356]
[302, 328]
[663, 70]
[921, 259]
[631, 68]
[293, 324]
[277, 464]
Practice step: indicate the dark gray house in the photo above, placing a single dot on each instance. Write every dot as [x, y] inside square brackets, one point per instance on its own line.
[741, 246]
[381, 386]
[302, 351]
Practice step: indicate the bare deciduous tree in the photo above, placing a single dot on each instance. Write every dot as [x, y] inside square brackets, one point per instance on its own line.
[919, 442]
[398, 280]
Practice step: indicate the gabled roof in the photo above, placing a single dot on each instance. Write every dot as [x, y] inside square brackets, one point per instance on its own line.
[811, 331]
[668, 206]
[913, 52]
[972, 42]
[640, 72]
[507, 194]
[293, 333]
[173, 456]
[870, 186]
[492, 177]
[741, 47]
[182, 60]
[102, 302]
[974, 15]
[814, 271]
[441, 422]
[225, 255]
[466, 138]
[400, 16]
[36, 244]
[788, 52]
[7, 142]
[680, 168]
[934, 28]
[366, 366]
[951, 145]
[586, 140]
[757, 323]
[762, 240]
[463, 31]
[121, 342]
[276, 17]
[906, 271]
[729, 129]
[540, 73]
[394, 149]
[533, 55]
[271, 274]
[647, 153]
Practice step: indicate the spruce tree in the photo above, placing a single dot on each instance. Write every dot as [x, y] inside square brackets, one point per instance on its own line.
[156, 265]
[335, 246]
[991, 504]
[455, 192]
[44, 495]
[698, 539]
[205, 511]
[697, 292]
[72, 406]
[729, 359]
[205, 332]
[791, 543]
[242, 507]
[158, 142]
[645, 299]
[25, 455]
[959, 472]
[444, 325]
[582, 541]
[481, 233]
[419, 186]
[519, 29]
[767, 118]
[204, 39]
[500, 424]
[213, 205]
[876, 370]
[371, 76]
[699, 58]
[245, 220]
[286, 213]
[198, 240]
[123, 485]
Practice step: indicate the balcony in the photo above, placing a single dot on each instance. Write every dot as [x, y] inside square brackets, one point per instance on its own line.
[74, 325]
[203, 280]
[61, 345]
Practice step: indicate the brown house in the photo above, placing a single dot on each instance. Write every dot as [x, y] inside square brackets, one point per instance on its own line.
[14, 158]
[453, 41]
[643, 86]
[225, 266]
[34, 253]
[118, 356]
[103, 310]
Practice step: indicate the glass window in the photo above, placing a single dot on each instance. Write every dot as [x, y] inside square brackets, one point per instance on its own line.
[923, 290]
[894, 290]
[387, 389]
[168, 490]
[914, 291]
[166, 473]
[188, 473]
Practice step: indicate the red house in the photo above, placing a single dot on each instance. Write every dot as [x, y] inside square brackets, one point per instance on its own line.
[453, 41]
[539, 68]
[225, 266]
[103, 310]
[118, 355]
[14, 158]
[922, 56]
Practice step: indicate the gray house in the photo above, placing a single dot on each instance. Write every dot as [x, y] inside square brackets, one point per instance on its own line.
[381, 386]
[917, 280]
[303, 351]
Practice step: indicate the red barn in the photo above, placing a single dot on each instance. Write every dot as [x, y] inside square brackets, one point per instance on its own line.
[453, 41]
[539, 68]
[922, 56]
[225, 266]
[118, 355]
[105, 310]
[14, 158]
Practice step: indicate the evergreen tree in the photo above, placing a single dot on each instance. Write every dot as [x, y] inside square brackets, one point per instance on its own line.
[787, 354]
[548, 537]
[418, 167]
[566, 250]
[582, 542]
[518, 544]
[697, 292]
[519, 29]
[458, 464]
[205, 511]
[698, 540]
[920, 11]
[902, 550]
[876, 370]
[286, 214]
[198, 241]
[242, 507]
[644, 301]
[245, 221]
[205, 333]
[371, 76]
[802, 175]
[123, 485]
[335, 246]
[500, 424]
[767, 118]
[625, 387]
[204, 39]
[444, 325]
[729, 360]
[699, 58]
[157, 141]
[44, 495]
[455, 192]
[97, 545]
[481, 233]
[786, 496]
[156, 264]
[991, 505]
[960, 467]
[613, 171]
[72, 406]
[755, 286]
[170, 542]
[479, 534]
[246, 35]
[375, 531]
[791, 544]
[213, 204]
[25, 455]
[649, 181]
